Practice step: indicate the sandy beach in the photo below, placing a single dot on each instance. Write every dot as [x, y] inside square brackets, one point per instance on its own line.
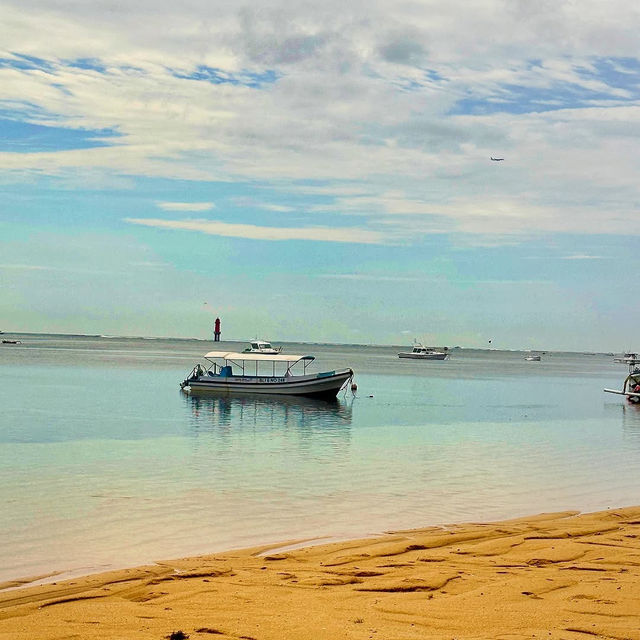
[561, 575]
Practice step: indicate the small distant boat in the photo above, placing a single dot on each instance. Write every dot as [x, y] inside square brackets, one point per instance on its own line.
[11, 342]
[423, 353]
[533, 357]
[260, 346]
[233, 376]
[628, 358]
[630, 386]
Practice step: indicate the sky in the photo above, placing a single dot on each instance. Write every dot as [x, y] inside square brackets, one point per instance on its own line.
[322, 172]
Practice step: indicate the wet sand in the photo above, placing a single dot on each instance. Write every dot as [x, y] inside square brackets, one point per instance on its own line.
[561, 575]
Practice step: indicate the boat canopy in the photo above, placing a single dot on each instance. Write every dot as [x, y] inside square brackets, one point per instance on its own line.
[258, 357]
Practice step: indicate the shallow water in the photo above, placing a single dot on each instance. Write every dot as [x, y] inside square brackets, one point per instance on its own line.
[105, 463]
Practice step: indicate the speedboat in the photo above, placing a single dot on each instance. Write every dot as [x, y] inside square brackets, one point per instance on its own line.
[424, 353]
[228, 372]
[260, 346]
[533, 357]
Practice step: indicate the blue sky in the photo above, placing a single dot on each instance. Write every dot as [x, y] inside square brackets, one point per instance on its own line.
[322, 173]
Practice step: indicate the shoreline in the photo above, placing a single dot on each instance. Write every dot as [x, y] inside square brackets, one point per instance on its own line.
[367, 345]
[565, 574]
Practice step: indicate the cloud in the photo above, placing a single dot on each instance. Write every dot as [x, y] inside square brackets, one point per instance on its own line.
[253, 232]
[32, 267]
[26, 267]
[581, 257]
[386, 111]
[404, 47]
[372, 277]
[185, 206]
[245, 201]
[279, 208]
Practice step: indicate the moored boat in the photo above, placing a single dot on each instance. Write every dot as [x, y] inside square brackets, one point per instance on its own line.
[424, 353]
[229, 372]
[630, 386]
[260, 346]
[628, 358]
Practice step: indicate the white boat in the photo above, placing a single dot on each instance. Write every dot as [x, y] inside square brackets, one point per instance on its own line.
[424, 353]
[260, 373]
[534, 357]
[628, 358]
[260, 346]
[630, 386]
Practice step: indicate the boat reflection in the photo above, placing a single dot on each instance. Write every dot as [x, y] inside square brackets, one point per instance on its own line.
[264, 413]
[631, 420]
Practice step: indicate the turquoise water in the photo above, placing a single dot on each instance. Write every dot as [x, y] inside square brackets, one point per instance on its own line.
[104, 463]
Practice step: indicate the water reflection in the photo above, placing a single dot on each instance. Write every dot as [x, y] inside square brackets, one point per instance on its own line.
[222, 413]
[627, 414]
[631, 420]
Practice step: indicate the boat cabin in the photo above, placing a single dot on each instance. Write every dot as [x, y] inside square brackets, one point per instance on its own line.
[261, 346]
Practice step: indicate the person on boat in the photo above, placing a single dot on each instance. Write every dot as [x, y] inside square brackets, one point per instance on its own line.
[634, 387]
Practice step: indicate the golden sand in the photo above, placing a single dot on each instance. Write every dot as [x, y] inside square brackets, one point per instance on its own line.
[552, 576]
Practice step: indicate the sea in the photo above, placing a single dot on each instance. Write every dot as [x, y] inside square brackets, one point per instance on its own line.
[105, 463]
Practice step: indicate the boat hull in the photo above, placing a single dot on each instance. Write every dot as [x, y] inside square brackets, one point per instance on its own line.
[264, 352]
[320, 385]
[424, 356]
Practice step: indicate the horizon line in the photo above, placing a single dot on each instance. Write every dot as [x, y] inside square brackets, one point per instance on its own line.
[336, 344]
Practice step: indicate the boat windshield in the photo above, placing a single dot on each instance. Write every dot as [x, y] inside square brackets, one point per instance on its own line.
[261, 346]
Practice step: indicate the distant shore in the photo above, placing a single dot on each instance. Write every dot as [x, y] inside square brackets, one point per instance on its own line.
[561, 575]
[399, 345]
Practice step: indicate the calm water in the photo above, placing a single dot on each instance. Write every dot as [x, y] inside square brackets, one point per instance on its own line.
[105, 463]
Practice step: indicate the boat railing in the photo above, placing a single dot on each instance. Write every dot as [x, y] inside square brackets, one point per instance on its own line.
[196, 372]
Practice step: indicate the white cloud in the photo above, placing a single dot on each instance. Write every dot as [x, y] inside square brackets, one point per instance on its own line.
[26, 267]
[278, 208]
[185, 206]
[253, 232]
[370, 277]
[259, 204]
[373, 277]
[33, 267]
[361, 112]
[581, 257]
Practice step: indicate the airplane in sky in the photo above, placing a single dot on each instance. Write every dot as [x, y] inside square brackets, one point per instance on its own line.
[497, 159]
